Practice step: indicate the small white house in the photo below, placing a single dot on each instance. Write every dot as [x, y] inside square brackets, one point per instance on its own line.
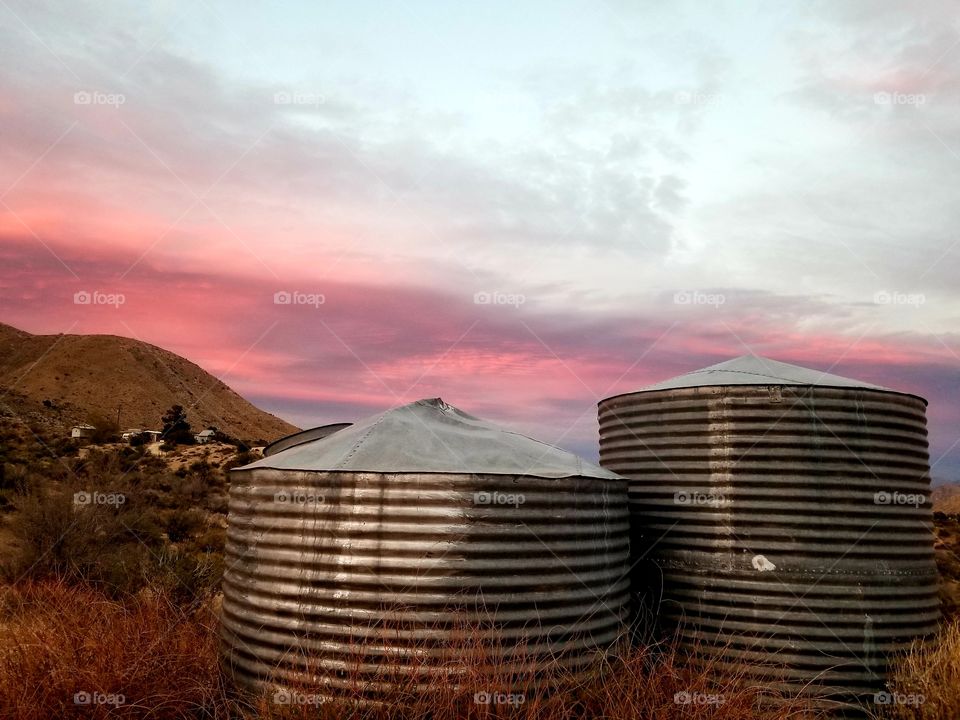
[205, 436]
[82, 432]
[148, 436]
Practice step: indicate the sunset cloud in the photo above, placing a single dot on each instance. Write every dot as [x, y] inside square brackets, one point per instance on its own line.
[523, 221]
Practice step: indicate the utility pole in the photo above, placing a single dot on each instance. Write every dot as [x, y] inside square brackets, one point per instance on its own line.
[119, 405]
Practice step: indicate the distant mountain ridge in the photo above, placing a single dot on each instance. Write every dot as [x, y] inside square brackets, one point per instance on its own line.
[69, 379]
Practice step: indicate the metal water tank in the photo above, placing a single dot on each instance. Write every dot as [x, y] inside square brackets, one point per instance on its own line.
[781, 519]
[359, 559]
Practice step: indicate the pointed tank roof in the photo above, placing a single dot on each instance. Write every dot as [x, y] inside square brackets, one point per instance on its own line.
[755, 370]
[430, 436]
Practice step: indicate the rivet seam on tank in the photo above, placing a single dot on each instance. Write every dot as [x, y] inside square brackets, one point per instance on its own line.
[353, 450]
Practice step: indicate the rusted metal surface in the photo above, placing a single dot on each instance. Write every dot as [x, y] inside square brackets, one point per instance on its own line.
[343, 578]
[786, 526]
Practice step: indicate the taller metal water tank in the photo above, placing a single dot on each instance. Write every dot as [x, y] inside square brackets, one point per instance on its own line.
[781, 518]
[359, 559]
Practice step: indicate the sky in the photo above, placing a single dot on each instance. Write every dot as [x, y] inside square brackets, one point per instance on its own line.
[519, 207]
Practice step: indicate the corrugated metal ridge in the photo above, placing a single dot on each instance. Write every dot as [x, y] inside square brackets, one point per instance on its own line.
[729, 374]
[704, 385]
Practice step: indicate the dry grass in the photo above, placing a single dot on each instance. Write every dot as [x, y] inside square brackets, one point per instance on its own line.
[925, 683]
[57, 640]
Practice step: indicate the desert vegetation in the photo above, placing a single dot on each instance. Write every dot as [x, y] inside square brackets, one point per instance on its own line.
[108, 609]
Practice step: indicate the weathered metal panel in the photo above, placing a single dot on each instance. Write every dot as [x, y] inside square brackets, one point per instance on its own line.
[304, 436]
[786, 526]
[336, 579]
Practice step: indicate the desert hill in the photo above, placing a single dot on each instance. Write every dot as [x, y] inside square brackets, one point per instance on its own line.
[61, 380]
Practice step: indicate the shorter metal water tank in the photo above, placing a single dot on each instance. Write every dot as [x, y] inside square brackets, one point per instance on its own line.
[781, 519]
[361, 559]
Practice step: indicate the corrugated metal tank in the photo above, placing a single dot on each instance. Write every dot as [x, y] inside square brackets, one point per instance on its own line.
[783, 519]
[359, 557]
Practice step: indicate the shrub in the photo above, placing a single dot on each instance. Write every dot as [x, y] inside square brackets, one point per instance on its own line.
[202, 469]
[106, 430]
[182, 524]
[102, 545]
[241, 458]
[211, 540]
[187, 578]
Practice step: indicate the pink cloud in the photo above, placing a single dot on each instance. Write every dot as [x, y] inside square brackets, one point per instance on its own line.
[372, 346]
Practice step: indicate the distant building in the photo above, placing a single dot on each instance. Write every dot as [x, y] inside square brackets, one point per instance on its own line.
[148, 436]
[82, 432]
[205, 436]
[130, 434]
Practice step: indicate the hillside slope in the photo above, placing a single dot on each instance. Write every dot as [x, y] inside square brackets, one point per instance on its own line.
[66, 379]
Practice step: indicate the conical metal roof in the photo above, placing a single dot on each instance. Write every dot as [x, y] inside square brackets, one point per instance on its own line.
[430, 436]
[755, 370]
